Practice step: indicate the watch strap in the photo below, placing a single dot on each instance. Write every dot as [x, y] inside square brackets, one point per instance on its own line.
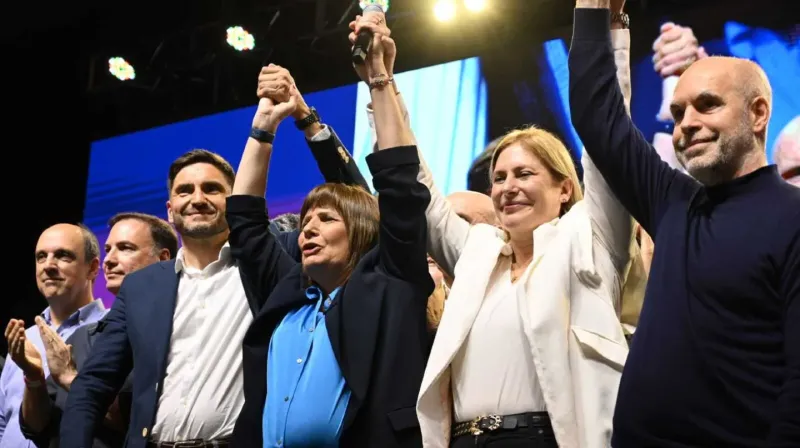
[262, 136]
[308, 120]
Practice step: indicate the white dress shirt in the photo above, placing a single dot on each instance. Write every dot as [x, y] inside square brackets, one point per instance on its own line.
[202, 393]
[493, 371]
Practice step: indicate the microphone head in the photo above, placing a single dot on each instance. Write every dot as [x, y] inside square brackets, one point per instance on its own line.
[374, 5]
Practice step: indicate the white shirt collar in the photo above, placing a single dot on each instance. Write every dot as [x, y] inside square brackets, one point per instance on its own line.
[224, 258]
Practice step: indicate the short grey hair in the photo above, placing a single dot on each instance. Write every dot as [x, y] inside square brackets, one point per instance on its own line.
[91, 247]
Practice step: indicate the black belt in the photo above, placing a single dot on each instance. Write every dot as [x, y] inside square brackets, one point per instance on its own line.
[494, 422]
[194, 443]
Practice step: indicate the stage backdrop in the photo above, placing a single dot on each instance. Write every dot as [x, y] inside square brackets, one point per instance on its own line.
[449, 114]
[129, 172]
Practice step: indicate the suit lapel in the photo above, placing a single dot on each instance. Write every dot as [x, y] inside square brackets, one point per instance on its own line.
[544, 308]
[162, 308]
[480, 256]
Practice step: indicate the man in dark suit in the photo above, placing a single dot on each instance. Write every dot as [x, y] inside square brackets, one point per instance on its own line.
[135, 240]
[181, 323]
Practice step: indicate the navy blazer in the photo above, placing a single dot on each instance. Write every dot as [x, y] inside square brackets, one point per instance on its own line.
[377, 326]
[137, 331]
[105, 437]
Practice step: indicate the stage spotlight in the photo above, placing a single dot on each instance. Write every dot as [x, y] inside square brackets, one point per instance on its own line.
[444, 10]
[121, 69]
[475, 5]
[240, 39]
[384, 4]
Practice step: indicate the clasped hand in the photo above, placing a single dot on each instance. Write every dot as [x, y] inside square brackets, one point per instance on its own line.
[278, 98]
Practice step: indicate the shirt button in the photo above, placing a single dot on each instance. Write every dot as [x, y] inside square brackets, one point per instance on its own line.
[311, 330]
[280, 442]
[299, 360]
[285, 398]
[144, 432]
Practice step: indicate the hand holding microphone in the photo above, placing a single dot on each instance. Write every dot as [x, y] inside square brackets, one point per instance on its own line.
[373, 12]
[379, 53]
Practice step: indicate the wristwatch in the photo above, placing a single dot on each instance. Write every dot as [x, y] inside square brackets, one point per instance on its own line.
[621, 18]
[310, 119]
[262, 136]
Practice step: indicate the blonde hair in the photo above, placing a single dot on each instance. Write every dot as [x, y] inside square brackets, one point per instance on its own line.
[359, 210]
[552, 153]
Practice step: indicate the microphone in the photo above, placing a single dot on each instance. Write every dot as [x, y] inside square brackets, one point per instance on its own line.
[364, 39]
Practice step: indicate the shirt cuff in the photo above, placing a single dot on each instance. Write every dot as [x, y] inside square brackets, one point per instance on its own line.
[239, 203]
[592, 24]
[391, 157]
[322, 135]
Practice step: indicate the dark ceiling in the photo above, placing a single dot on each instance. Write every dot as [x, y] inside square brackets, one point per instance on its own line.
[185, 68]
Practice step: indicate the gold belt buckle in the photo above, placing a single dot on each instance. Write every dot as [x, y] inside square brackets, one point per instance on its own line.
[495, 421]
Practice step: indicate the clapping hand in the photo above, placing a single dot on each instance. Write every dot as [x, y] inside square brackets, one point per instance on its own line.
[22, 351]
[59, 355]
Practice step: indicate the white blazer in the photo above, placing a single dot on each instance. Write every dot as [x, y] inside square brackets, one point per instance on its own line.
[570, 303]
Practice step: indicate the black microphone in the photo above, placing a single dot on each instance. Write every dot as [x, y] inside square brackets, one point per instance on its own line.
[364, 39]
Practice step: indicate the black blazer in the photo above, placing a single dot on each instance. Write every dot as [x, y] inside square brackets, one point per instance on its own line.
[377, 326]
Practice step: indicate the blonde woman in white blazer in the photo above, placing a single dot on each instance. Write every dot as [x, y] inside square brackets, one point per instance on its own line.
[550, 339]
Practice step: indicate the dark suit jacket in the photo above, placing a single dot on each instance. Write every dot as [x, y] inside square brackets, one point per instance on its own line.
[81, 341]
[138, 328]
[377, 326]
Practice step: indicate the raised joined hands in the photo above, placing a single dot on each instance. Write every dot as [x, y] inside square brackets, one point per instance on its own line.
[279, 98]
[676, 48]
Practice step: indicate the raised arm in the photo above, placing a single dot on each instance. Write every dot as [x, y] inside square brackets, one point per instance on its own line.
[401, 198]
[641, 181]
[262, 261]
[333, 160]
[446, 231]
[100, 378]
[611, 223]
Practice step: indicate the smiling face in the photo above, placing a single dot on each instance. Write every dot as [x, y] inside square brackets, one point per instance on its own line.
[525, 193]
[720, 115]
[197, 201]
